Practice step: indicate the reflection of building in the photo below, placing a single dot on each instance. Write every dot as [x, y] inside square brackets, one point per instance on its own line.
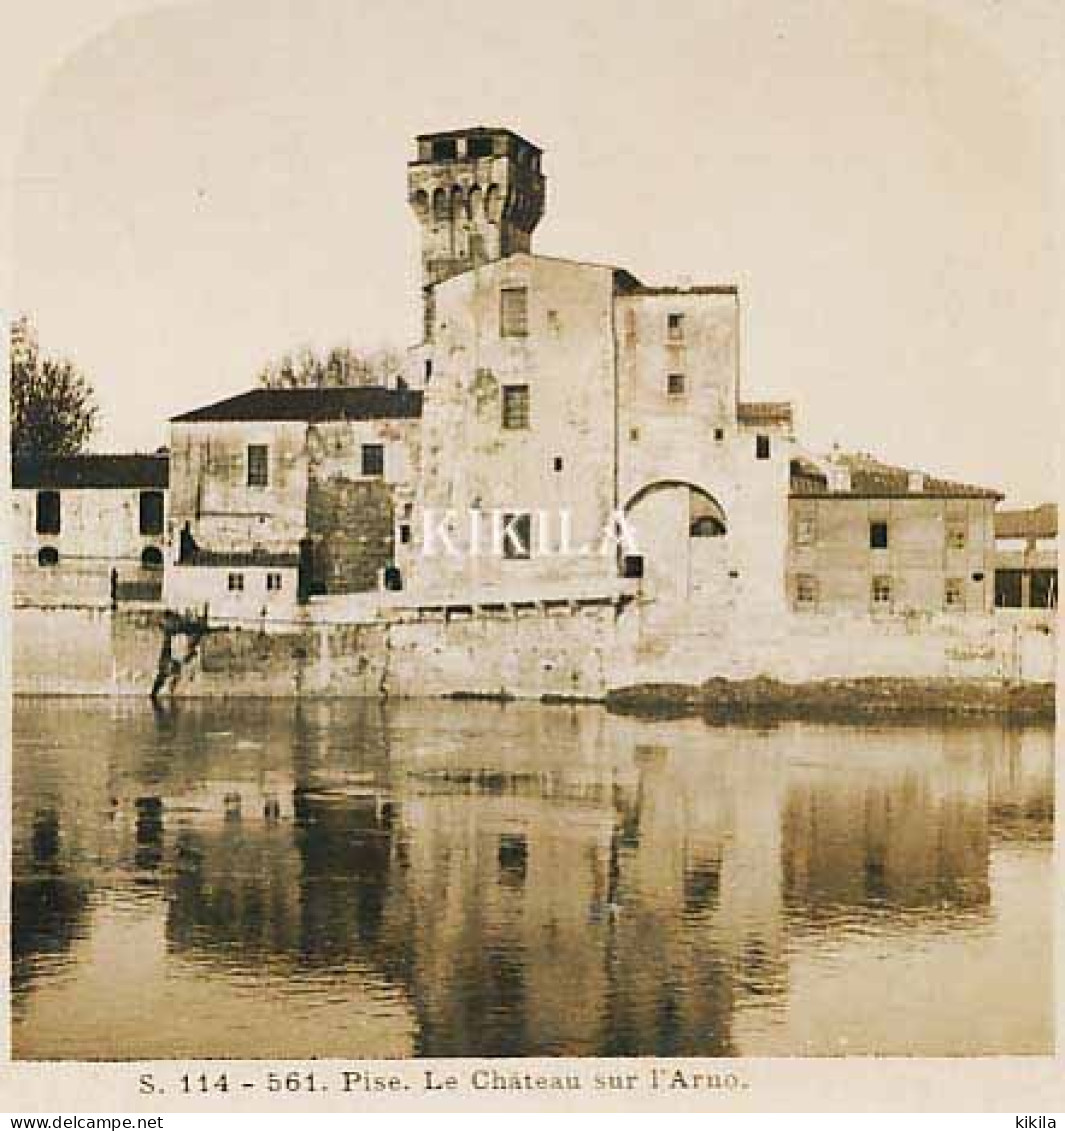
[867, 537]
[525, 881]
[1026, 558]
[74, 519]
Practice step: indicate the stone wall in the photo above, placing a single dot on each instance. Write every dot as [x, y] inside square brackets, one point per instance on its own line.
[351, 523]
[574, 652]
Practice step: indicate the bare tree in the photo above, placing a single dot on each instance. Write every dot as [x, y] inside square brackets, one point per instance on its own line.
[340, 366]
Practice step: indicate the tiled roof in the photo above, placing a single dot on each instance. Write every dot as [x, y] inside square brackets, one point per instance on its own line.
[627, 284]
[1030, 522]
[245, 558]
[870, 478]
[363, 402]
[92, 470]
[765, 412]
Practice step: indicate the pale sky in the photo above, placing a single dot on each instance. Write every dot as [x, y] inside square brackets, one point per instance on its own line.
[201, 187]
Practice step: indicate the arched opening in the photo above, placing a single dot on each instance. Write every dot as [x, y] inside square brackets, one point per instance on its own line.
[420, 202]
[458, 203]
[441, 202]
[48, 556]
[680, 531]
[476, 203]
[706, 516]
[152, 557]
[492, 204]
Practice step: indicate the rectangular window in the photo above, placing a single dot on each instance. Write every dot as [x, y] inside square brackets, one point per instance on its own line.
[805, 589]
[373, 459]
[878, 536]
[676, 386]
[514, 312]
[445, 149]
[719, 434]
[805, 530]
[558, 463]
[957, 534]
[881, 592]
[515, 406]
[954, 593]
[517, 545]
[405, 533]
[49, 512]
[258, 465]
[675, 327]
[428, 370]
[236, 583]
[273, 582]
[761, 447]
[151, 512]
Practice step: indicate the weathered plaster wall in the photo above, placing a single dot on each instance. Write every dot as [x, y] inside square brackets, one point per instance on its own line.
[564, 459]
[693, 438]
[919, 557]
[98, 526]
[209, 485]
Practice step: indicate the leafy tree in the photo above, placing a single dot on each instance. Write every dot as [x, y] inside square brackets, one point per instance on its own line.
[340, 366]
[53, 405]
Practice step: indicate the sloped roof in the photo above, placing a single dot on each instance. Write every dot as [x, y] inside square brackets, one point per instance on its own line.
[1028, 522]
[92, 470]
[363, 402]
[871, 478]
[765, 412]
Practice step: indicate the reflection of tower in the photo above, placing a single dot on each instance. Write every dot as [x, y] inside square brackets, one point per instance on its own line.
[478, 194]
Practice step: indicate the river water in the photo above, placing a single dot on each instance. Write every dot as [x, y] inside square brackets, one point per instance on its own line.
[282, 880]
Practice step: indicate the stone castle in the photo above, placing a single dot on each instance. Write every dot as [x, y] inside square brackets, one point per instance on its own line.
[566, 441]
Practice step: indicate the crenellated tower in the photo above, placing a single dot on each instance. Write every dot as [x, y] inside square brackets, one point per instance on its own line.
[478, 194]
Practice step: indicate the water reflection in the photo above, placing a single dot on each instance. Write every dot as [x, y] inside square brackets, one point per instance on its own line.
[362, 879]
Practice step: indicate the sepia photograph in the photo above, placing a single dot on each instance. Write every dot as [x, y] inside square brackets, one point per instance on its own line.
[532, 548]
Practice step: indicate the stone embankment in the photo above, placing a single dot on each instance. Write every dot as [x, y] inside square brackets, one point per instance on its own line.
[830, 699]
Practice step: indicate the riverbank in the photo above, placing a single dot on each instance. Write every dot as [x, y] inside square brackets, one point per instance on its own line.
[727, 700]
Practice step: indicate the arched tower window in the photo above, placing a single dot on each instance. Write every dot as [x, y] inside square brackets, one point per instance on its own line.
[441, 209]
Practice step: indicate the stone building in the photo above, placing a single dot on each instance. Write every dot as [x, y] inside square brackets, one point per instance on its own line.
[560, 395]
[867, 537]
[88, 528]
[1026, 558]
[281, 494]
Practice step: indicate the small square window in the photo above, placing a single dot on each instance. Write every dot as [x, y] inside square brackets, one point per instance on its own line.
[515, 406]
[956, 534]
[517, 537]
[954, 593]
[445, 149]
[676, 386]
[634, 434]
[761, 447]
[373, 459]
[273, 582]
[514, 312]
[719, 434]
[881, 591]
[258, 465]
[878, 536]
[235, 583]
[806, 589]
[805, 530]
[674, 326]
